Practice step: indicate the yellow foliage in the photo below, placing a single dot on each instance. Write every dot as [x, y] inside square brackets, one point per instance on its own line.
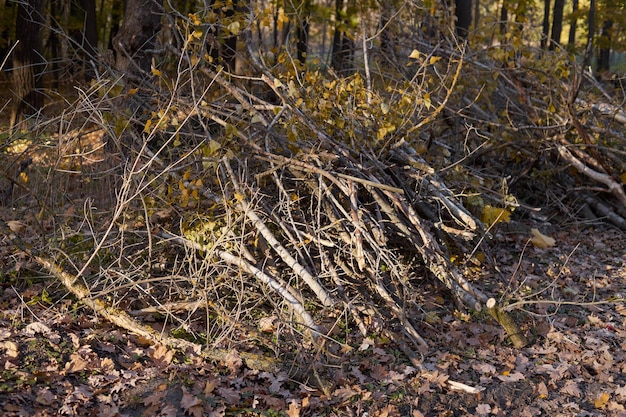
[494, 215]
[602, 400]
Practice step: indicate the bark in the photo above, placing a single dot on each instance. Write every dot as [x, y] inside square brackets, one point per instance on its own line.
[590, 33]
[136, 39]
[229, 51]
[557, 24]
[504, 17]
[545, 32]
[86, 37]
[463, 12]
[27, 60]
[604, 45]
[571, 41]
[342, 47]
[302, 32]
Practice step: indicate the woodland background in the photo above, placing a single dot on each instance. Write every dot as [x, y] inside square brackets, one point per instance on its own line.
[312, 207]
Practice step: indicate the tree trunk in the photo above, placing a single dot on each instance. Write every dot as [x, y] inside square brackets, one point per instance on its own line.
[604, 45]
[137, 37]
[571, 40]
[343, 47]
[85, 37]
[90, 41]
[504, 17]
[476, 13]
[545, 32]
[229, 51]
[302, 31]
[557, 24]
[463, 12]
[27, 62]
[590, 33]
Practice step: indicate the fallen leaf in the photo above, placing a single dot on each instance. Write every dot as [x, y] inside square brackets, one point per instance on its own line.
[45, 397]
[191, 404]
[483, 409]
[514, 377]
[602, 400]
[11, 348]
[15, 226]
[541, 241]
[233, 361]
[571, 388]
[161, 355]
[293, 410]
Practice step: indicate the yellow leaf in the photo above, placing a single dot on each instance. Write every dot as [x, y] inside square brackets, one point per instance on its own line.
[623, 178]
[434, 59]
[24, 177]
[233, 28]
[239, 197]
[131, 92]
[494, 215]
[194, 19]
[146, 128]
[427, 101]
[197, 34]
[156, 72]
[539, 240]
[602, 400]
[415, 54]
[187, 175]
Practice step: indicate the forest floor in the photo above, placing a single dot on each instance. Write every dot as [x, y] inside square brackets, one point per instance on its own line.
[58, 358]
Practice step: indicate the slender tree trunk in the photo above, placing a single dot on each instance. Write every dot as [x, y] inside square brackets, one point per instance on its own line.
[90, 45]
[27, 62]
[545, 33]
[343, 47]
[229, 51]
[571, 41]
[591, 17]
[137, 37]
[504, 17]
[463, 12]
[604, 46]
[302, 31]
[387, 39]
[86, 37]
[557, 24]
[476, 13]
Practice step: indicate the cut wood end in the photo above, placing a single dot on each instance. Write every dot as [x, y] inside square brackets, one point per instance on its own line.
[491, 303]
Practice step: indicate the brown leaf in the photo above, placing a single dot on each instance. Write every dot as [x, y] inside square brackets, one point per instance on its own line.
[233, 361]
[76, 364]
[483, 409]
[191, 404]
[293, 410]
[11, 348]
[45, 397]
[161, 355]
[571, 388]
[218, 412]
[345, 393]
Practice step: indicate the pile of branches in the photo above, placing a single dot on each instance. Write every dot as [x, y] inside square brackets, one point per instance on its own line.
[267, 209]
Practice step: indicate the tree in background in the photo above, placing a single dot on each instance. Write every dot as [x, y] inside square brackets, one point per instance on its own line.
[85, 35]
[302, 30]
[545, 33]
[27, 61]
[342, 46]
[463, 12]
[137, 37]
[557, 24]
